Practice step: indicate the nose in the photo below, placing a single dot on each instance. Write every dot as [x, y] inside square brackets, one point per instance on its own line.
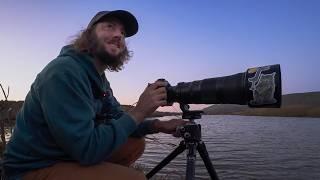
[118, 32]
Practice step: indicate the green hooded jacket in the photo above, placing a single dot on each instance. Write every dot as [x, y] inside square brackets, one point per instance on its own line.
[69, 114]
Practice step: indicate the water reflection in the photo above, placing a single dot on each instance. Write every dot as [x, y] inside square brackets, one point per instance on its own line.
[247, 148]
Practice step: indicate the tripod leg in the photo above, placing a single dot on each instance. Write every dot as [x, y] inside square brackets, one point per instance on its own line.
[191, 160]
[166, 160]
[206, 159]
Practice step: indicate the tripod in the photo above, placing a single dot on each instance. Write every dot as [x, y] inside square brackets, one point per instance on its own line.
[191, 133]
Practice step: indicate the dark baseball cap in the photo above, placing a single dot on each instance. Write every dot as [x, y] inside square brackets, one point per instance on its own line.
[129, 21]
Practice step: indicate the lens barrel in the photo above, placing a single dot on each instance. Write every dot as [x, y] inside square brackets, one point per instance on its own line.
[257, 87]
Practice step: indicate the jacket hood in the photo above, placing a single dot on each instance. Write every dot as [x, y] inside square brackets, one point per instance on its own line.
[99, 82]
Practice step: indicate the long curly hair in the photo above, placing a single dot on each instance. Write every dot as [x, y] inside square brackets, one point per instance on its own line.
[86, 41]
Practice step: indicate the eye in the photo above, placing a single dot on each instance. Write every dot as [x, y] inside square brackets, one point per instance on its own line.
[123, 33]
[109, 26]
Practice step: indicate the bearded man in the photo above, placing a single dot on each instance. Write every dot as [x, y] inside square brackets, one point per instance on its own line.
[71, 126]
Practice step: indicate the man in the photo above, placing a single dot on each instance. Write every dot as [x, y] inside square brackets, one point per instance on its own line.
[71, 126]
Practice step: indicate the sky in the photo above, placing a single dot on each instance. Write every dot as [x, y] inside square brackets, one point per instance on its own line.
[180, 41]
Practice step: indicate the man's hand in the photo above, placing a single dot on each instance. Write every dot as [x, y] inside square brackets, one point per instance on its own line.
[168, 127]
[154, 96]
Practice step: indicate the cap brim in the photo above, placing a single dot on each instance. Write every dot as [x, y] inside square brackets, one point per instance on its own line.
[129, 21]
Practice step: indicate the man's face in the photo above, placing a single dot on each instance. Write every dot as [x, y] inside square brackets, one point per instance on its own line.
[111, 36]
[107, 44]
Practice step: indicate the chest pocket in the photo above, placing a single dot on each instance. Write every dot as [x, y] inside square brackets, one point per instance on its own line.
[105, 107]
[110, 106]
[98, 99]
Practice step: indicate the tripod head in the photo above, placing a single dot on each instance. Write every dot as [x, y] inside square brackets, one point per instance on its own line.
[187, 114]
[191, 131]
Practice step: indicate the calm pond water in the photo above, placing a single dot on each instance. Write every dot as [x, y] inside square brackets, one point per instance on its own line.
[246, 147]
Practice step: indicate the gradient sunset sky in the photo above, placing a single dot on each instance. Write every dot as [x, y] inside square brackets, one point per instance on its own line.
[180, 41]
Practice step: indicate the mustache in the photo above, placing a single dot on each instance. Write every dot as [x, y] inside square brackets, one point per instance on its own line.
[116, 41]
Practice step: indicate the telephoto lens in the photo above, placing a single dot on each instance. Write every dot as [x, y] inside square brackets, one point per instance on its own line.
[257, 87]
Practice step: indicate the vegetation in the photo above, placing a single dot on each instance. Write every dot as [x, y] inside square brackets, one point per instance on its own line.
[4, 108]
[293, 105]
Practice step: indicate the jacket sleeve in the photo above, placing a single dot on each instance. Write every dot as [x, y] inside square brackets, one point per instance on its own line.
[68, 110]
[113, 110]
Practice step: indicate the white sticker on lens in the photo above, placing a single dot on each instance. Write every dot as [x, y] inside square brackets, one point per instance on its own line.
[263, 87]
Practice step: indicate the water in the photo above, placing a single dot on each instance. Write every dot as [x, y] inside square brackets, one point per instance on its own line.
[242, 147]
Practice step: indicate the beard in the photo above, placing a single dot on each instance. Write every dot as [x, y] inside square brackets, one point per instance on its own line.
[113, 63]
